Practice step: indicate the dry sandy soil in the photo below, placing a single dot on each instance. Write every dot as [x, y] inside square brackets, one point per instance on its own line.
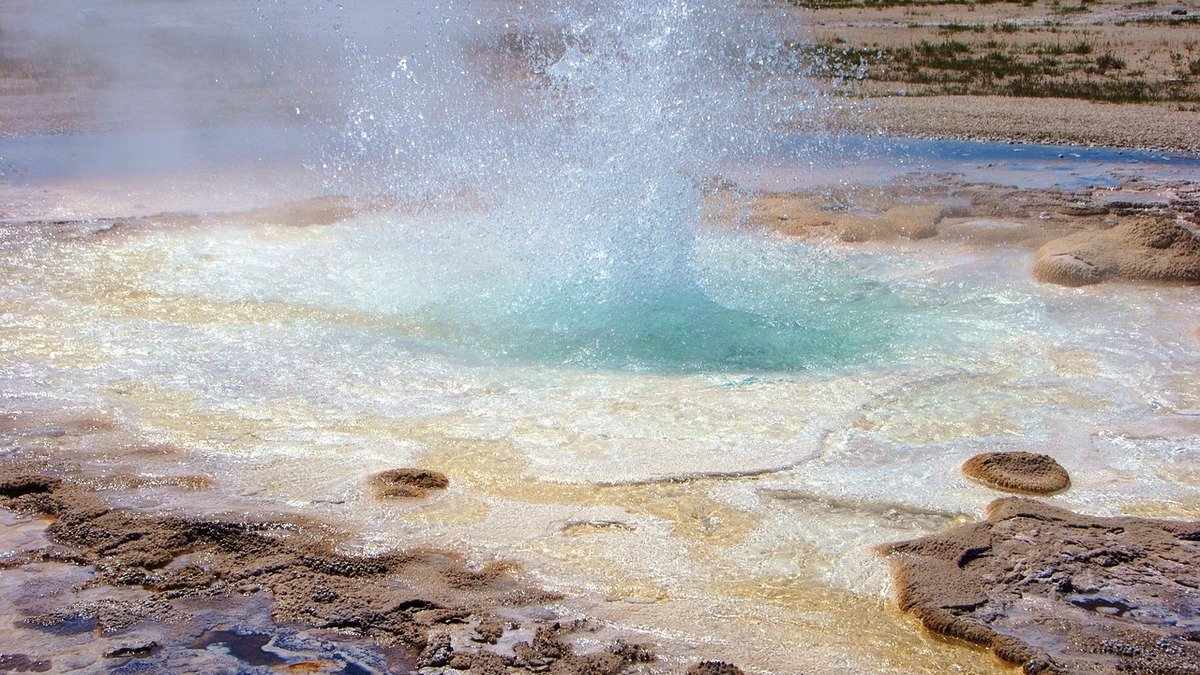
[1104, 72]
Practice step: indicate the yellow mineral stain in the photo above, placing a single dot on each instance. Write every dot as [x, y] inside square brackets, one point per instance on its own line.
[946, 411]
[457, 510]
[880, 633]
[498, 468]
[600, 565]
[181, 415]
[1173, 510]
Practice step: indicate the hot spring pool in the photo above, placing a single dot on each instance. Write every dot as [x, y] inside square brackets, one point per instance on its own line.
[722, 452]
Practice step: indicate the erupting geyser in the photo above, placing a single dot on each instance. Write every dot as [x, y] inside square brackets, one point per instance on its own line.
[556, 156]
[510, 297]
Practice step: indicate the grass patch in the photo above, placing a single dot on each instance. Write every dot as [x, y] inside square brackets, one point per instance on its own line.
[1161, 20]
[1106, 62]
[954, 27]
[880, 4]
[1109, 91]
[1037, 70]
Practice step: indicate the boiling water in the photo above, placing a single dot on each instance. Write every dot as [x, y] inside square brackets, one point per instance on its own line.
[688, 429]
[584, 139]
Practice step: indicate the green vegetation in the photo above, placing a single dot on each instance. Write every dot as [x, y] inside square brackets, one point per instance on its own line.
[843, 4]
[1082, 7]
[1037, 69]
[948, 28]
[1106, 62]
[1161, 20]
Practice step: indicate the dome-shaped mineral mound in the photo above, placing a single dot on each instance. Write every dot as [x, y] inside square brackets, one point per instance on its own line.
[1018, 472]
[1139, 249]
[407, 483]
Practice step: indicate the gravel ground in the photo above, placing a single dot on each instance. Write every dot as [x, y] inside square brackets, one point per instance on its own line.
[1054, 121]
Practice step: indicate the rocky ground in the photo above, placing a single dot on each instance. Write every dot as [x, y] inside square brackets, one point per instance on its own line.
[93, 585]
[1146, 231]
[1052, 121]
[1057, 592]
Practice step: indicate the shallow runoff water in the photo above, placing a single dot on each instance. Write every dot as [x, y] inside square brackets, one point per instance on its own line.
[696, 433]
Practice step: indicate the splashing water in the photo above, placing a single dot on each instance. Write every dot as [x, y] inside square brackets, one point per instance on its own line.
[538, 175]
[572, 143]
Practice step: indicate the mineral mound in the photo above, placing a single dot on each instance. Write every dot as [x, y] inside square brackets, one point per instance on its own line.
[1140, 249]
[1059, 592]
[1018, 472]
[408, 483]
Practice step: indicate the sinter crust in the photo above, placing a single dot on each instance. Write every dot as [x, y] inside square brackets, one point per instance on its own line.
[408, 599]
[1148, 248]
[1059, 592]
[407, 483]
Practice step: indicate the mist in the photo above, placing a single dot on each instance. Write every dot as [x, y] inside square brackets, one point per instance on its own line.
[155, 85]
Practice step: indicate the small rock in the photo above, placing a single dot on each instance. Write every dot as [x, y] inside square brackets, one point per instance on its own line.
[132, 651]
[714, 668]
[437, 653]
[488, 631]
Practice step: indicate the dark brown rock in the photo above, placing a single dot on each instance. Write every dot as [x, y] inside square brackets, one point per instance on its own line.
[1018, 472]
[489, 631]
[438, 651]
[407, 483]
[713, 668]
[1059, 592]
[132, 651]
[21, 663]
[1143, 248]
[19, 486]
